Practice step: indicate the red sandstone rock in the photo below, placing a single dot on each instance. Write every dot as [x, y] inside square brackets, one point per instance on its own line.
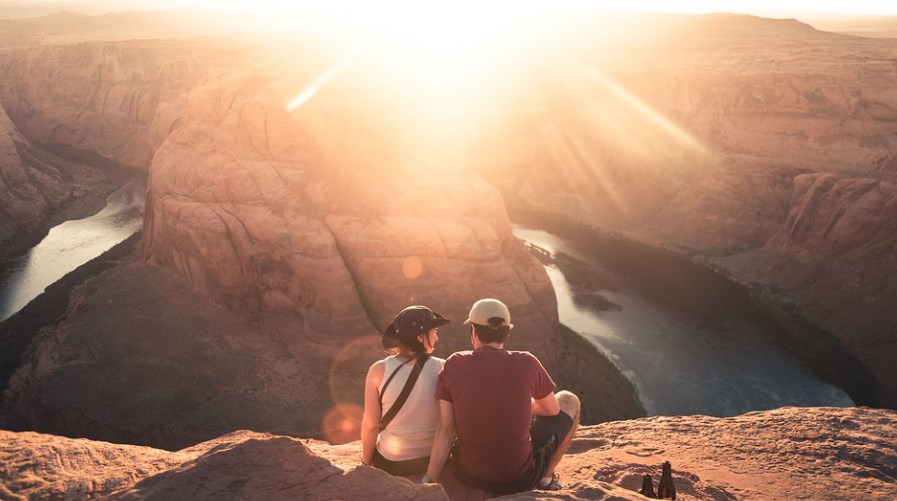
[29, 188]
[135, 96]
[789, 453]
[258, 207]
[769, 156]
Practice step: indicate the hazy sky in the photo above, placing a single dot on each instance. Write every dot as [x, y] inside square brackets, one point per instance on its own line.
[694, 6]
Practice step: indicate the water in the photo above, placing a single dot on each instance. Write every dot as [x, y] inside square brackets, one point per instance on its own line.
[686, 339]
[70, 245]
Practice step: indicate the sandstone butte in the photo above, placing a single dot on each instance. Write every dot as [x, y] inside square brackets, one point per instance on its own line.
[774, 163]
[788, 453]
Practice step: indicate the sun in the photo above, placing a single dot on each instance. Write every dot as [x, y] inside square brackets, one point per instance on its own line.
[444, 58]
[436, 47]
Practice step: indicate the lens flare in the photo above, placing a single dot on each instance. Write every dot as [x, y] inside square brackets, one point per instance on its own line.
[412, 268]
[313, 88]
[349, 367]
[342, 424]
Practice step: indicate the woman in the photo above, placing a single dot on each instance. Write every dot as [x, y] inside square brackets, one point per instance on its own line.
[400, 443]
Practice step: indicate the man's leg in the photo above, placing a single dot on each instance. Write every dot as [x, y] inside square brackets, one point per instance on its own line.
[569, 404]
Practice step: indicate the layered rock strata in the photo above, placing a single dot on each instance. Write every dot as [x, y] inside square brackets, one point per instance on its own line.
[120, 351]
[763, 147]
[817, 453]
[119, 101]
[28, 192]
[317, 212]
[38, 189]
[258, 207]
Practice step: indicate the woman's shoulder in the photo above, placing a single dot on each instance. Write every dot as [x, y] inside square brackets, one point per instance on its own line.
[377, 369]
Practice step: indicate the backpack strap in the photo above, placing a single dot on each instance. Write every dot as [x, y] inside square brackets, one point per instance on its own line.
[406, 390]
[389, 380]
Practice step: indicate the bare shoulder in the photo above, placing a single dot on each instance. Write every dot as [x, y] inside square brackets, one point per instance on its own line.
[375, 372]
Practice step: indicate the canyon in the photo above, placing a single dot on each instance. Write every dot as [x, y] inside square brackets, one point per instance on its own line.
[279, 239]
[771, 161]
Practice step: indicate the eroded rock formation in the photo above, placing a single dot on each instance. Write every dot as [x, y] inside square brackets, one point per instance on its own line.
[119, 101]
[774, 162]
[787, 453]
[27, 192]
[317, 213]
[761, 146]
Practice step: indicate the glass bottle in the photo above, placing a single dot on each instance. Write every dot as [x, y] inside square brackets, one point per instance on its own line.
[648, 487]
[666, 489]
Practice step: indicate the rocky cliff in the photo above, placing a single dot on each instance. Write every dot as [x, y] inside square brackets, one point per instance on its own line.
[70, 115]
[317, 212]
[38, 188]
[258, 207]
[788, 453]
[119, 101]
[763, 147]
[312, 226]
[26, 194]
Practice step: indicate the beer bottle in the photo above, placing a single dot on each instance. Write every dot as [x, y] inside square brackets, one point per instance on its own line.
[648, 487]
[666, 489]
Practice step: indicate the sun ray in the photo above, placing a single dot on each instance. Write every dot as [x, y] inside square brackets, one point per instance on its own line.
[643, 110]
[313, 88]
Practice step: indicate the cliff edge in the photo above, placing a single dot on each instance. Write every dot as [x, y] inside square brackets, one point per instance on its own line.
[788, 453]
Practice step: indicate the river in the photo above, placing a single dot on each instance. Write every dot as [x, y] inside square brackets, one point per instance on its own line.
[689, 340]
[69, 245]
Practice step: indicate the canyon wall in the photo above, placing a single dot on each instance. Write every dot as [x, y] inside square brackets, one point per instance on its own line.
[119, 101]
[317, 212]
[69, 111]
[29, 189]
[261, 208]
[774, 162]
[294, 235]
[762, 147]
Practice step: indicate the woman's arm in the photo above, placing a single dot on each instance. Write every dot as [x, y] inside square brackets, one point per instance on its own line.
[442, 444]
[370, 420]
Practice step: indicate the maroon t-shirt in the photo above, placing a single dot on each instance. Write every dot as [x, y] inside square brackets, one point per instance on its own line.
[491, 390]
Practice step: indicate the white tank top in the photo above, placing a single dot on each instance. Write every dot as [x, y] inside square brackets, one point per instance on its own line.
[410, 433]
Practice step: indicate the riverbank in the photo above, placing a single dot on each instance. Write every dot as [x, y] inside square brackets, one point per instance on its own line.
[605, 394]
[820, 352]
[92, 179]
[45, 311]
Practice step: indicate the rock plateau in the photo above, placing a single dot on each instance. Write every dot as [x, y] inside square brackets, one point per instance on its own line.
[789, 453]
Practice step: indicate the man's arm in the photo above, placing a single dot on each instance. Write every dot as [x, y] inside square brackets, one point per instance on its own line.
[546, 406]
[442, 444]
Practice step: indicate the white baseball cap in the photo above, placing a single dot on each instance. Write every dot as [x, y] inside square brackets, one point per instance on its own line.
[486, 309]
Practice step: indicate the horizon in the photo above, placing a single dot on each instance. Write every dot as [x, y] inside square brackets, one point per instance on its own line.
[759, 8]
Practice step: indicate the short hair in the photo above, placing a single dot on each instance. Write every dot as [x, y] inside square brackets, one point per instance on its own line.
[496, 332]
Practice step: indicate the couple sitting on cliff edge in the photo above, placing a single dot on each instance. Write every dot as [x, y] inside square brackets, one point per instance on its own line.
[493, 410]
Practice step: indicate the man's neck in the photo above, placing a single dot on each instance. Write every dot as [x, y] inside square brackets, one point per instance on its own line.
[499, 346]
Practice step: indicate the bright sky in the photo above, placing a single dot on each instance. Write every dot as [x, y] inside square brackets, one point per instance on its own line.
[694, 6]
[879, 7]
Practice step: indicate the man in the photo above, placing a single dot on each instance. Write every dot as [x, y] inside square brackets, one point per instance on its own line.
[489, 396]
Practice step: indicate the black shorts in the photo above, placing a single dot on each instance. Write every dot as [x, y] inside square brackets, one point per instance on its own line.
[401, 468]
[546, 433]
